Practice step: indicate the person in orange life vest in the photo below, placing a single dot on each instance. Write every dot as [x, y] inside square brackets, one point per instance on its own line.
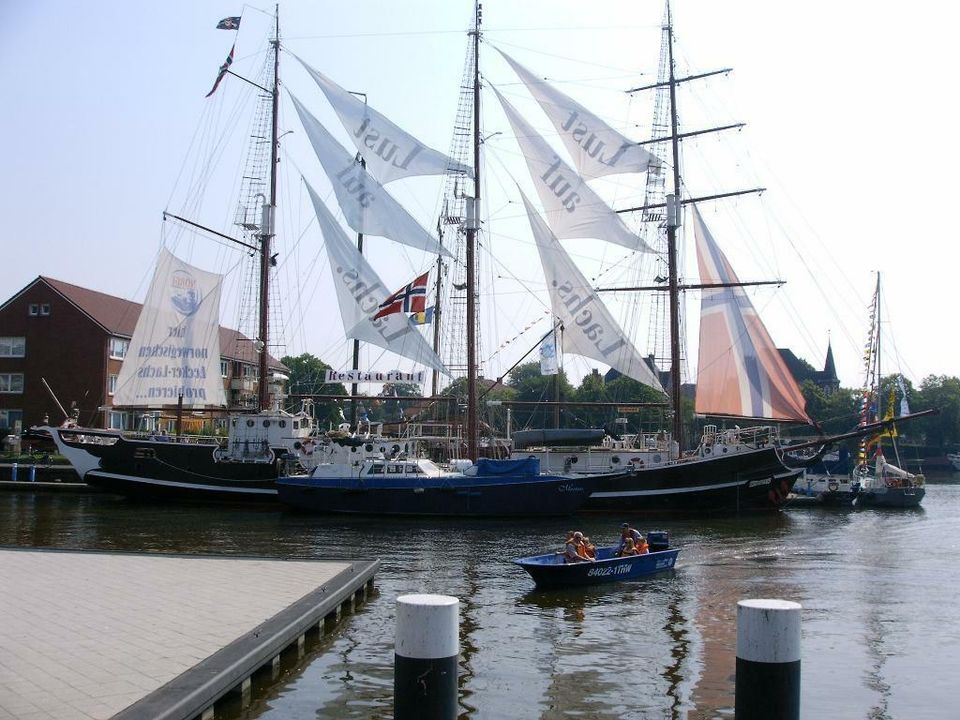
[628, 532]
[629, 548]
[572, 552]
[589, 550]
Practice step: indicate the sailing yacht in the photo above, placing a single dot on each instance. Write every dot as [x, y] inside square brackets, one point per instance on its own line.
[883, 484]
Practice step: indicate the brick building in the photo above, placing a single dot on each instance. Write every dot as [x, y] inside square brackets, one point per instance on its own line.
[75, 340]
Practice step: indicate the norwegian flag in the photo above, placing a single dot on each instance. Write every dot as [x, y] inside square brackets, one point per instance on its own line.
[411, 298]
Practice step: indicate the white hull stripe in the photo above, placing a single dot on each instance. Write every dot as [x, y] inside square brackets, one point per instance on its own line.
[667, 491]
[187, 486]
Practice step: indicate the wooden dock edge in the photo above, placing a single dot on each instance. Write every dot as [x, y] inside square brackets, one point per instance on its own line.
[195, 692]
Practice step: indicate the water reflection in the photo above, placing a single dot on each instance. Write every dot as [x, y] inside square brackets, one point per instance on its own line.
[877, 588]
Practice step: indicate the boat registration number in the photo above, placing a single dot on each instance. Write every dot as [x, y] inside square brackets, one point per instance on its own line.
[604, 571]
[758, 483]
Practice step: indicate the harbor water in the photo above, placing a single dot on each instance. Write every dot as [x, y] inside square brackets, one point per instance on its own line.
[878, 589]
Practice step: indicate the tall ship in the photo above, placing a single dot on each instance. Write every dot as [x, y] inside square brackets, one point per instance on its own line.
[741, 378]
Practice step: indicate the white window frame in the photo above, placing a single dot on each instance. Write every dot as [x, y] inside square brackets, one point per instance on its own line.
[33, 310]
[9, 346]
[126, 347]
[224, 367]
[111, 384]
[44, 309]
[8, 386]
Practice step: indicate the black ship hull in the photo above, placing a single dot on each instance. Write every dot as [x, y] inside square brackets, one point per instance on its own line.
[754, 480]
[168, 470]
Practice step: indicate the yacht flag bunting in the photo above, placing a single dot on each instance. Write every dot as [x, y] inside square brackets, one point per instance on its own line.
[740, 371]
[360, 294]
[596, 148]
[367, 206]
[589, 328]
[391, 152]
[411, 298]
[573, 210]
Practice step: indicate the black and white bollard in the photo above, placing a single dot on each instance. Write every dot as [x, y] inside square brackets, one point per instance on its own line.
[768, 660]
[425, 657]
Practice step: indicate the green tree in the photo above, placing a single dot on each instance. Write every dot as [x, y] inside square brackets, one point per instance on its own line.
[307, 378]
[940, 392]
[531, 386]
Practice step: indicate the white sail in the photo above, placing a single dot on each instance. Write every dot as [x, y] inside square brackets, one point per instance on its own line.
[573, 210]
[367, 207]
[175, 348]
[391, 153]
[360, 293]
[588, 327]
[596, 148]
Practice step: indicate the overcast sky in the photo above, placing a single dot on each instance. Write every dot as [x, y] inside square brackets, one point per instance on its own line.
[850, 112]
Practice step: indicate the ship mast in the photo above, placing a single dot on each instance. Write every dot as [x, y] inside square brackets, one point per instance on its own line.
[267, 229]
[673, 221]
[473, 224]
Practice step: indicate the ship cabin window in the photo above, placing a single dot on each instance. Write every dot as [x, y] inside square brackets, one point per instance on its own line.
[296, 424]
[376, 469]
[13, 347]
[394, 469]
[282, 423]
[413, 469]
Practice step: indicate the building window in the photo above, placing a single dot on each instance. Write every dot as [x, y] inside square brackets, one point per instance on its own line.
[45, 309]
[119, 420]
[10, 418]
[250, 371]
[112, 385]
[224, 368]
[11, 382]
[13, 346]
[34, 310]
[118, 348]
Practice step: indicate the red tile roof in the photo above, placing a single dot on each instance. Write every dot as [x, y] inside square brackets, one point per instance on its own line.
[119, 317]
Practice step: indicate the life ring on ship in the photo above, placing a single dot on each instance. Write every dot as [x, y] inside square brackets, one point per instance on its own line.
[707, 450]
[307, 447]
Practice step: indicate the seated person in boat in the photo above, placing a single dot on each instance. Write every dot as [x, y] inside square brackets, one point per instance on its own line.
[572, 552]
[629, 548]
[627, 532]
[588, 549]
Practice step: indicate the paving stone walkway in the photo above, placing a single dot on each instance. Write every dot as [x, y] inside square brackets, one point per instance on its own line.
[86, 634]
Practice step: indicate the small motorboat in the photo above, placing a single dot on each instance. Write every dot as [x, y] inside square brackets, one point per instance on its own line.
[551, 570]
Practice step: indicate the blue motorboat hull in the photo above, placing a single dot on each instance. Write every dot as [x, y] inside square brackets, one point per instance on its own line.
[550, 570]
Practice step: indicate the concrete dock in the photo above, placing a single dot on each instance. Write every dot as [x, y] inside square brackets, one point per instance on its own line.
[96, 635]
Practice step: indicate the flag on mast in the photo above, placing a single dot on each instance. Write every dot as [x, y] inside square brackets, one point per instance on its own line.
[223, 71]
[411, 298]
[229, 23]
